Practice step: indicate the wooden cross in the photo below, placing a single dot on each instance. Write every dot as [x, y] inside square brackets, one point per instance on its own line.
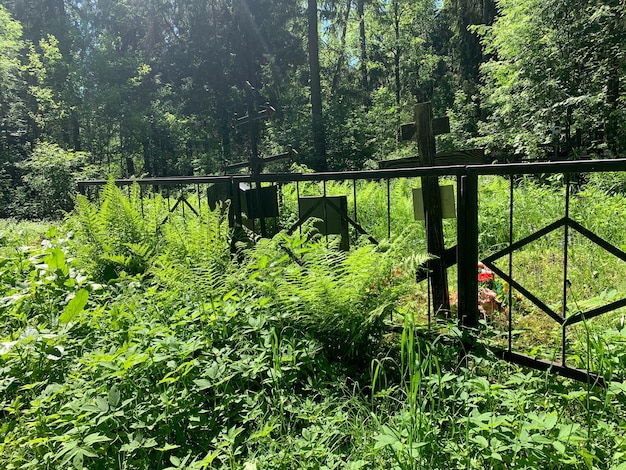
[251, 120]
[425, 136]
[424, 130]
[254, 114]
[440, 125]
[256, 164]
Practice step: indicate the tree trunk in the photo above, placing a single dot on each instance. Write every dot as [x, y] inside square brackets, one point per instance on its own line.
[396, 55]
[342, 49]
[363, 57]
[611, 127]
[317, 122]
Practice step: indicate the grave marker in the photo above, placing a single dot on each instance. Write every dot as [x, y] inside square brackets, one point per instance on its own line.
[333, 212]
[448, 209]
[425, 136]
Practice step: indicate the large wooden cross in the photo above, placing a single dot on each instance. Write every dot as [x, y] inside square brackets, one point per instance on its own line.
[425, 136]
[424, 130]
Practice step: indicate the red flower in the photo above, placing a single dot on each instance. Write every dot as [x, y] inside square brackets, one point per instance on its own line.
[485, 275]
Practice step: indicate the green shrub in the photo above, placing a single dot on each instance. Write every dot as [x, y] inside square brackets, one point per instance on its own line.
[49, 182]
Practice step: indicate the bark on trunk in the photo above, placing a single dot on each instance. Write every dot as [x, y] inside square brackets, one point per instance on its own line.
[317, 119]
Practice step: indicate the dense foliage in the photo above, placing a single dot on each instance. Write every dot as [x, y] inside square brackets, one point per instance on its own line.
[148, 346]
[154, 88]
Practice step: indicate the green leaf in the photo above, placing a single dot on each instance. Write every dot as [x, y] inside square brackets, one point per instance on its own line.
[203, 384]
[56, 261]
[74, 307]
[114, 396]
[6, 346]
[388, 437]
[481, 441]
[150, 442]
[95, 437]
[77, 461]
[559, 447]
[102, 403]
[550, 421]
[167, 447]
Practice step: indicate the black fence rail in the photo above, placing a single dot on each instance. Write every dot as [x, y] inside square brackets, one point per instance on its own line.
[255, 201]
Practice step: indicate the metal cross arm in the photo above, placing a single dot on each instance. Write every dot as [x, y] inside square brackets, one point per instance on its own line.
[257, 166]
[265, 112]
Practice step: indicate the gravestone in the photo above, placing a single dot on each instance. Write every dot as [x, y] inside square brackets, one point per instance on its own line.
[333, 212]
[259, 202]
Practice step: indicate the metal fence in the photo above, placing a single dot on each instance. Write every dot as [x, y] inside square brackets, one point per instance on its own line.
[252, 199]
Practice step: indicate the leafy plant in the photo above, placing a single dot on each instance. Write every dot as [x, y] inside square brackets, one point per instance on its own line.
[282, 358]
[114, 237]
[50, 176]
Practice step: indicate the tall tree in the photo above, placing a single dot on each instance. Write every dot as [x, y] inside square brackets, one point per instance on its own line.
[554, 61]
[397, 52]
[342, 48]
[47, 25]
[317, 119]
[12, 93]
[360, 7]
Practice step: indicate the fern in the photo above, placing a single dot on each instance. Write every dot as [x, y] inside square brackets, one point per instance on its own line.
[196, 255]
[339, 298]
[114, 236]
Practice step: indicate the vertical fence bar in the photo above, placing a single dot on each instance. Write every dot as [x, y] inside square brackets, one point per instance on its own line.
[388, 208]
[325, 211]
[238, 206]
[236, 218]
[565, 266]
[298, 205]
[467, 249]
[182, 198]
[429, 300]
[511, 207]
[354, 195]
[199, 200]
[156, 206]
[231, 209]
[141, 200]
[259, 205]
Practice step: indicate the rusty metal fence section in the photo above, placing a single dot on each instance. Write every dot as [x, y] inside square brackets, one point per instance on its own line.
[245, 195]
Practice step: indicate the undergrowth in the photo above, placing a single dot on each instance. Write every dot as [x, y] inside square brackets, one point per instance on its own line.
[136, 342]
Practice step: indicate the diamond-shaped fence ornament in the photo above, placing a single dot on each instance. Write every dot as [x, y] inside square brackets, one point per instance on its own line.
[588, 234]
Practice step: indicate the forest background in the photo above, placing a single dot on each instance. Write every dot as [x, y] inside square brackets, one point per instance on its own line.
[97, 88]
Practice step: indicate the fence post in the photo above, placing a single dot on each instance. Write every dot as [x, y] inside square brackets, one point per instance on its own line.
[467, 249]
[234, 215]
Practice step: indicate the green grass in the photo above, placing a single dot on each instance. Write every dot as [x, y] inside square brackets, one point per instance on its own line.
[15, 234]
[136, 345]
